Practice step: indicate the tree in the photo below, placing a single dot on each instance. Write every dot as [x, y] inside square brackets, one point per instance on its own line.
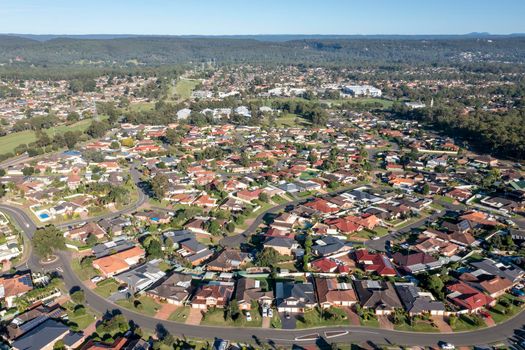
[71, 139]
[97, 129]
[233, 309]
[78, 296]
[263, 197]
[73, 117]
[159, 185]
[28, 171]
[426, 189]
[267, 257]
[48, 239]
[154, 249]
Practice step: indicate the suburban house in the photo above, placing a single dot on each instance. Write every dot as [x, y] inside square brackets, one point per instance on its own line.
[188, 247]
[249, 291]
[416, 302]
[114, 264]
[176, 289]
[284, 246]
[468, 298]
[294, 297]
[380, 296]
[14, 286]
[416, 262]
[212, 295]
[45, 335]
[375, 263]
[141, 277]
[228, 260]
[83, 232]
[330, 293]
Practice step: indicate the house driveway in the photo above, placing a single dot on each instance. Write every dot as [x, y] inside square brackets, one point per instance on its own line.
[384, 322]
[266, 322]
[165, 311]
[288, 323]
[353, 318]
[441, 324]
[194, 317]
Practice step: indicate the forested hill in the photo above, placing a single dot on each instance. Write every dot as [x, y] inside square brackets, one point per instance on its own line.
[152, 51]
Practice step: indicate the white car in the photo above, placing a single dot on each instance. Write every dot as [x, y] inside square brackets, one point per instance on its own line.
[447, 346]
[97, 279]
[248, 316]
[270, 313]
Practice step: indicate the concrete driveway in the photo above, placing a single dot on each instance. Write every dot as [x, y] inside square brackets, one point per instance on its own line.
[288, 323]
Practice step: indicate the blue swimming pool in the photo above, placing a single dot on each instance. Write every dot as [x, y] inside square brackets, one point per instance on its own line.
[44, 216]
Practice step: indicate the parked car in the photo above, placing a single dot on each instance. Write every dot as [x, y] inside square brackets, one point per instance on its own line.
[270, 313]
[248, 316]
[97, 279]
[446, 346]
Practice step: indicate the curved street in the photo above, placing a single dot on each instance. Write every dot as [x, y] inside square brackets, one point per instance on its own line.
[350, 334]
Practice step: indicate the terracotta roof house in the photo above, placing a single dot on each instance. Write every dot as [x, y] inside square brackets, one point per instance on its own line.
[375, 262]
[467, 297]
[13, 286]
[495, 286]
[175, 290]
[212, 295]
[111, 265]
[249, 290]
[344, 226]
[322, 206]
[378, 295]
[330, 293]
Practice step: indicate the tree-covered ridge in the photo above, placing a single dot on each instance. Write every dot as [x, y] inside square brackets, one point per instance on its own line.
[175, 50]
[502, 134]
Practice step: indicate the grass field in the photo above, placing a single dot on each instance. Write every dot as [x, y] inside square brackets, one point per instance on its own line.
[215, 317]
[184, 88]
[9, 142]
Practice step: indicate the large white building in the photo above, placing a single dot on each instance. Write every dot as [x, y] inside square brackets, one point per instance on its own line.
[362, 90]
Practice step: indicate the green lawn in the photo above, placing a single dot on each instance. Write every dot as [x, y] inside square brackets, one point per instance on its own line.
[81, 321]
[180, 315]
[466, 323]
[9, 142]
[373, 322]
[215, 317]
[85, 273]
[322, 318]
[144, 305]
[106, 287]
[500, 312]
[418, 326]
[184, 88]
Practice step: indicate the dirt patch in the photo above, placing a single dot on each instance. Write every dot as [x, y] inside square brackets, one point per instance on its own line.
[441, 324]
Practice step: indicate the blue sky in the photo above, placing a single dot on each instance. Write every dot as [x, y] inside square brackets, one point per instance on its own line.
[225, 17]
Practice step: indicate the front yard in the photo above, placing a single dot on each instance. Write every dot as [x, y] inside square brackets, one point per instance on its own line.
[318, 317]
